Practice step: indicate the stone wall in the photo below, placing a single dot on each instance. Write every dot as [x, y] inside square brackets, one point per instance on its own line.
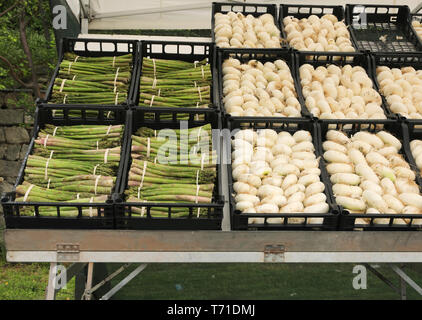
[15, 134]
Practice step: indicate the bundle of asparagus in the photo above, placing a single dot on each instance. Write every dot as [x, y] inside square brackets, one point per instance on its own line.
[174, 83]
[71, 164]
[92, 80]
[188, 176]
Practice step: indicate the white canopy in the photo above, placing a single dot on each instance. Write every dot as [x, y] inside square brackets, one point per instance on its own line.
[170, 14]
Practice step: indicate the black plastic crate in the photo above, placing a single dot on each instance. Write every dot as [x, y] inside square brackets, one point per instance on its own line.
[254, 9]
[412, 130]
[387, 28]
[339, 59]
[175, 50]
[262, 55]
[301, 11]
[103, 213]
[240, 221]
[96, 48]
[352, 221]
[123, 210]
[393, 60]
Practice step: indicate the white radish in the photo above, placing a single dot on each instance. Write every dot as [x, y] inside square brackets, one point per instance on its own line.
[370, 185]
[347, 190]
[374, 200]
[294, 189]
[411, 199]
[351, 203]
[333, 168]
[366, 173]
[317, 208]
[393, 203]
[247, 197]
[308, 179]
[316, 187]
[337, 136]
[315, 199]
[336, 156]
[389, 139]
[345, 178]
[267, 208]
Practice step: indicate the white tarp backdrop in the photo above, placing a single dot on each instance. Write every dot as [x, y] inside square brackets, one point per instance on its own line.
[105, 12]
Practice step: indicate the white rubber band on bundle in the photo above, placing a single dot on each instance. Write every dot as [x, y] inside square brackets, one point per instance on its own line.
[108, 114]
[68, 69]
[114, 60]
[27, 192]
[142, 179]
[197, 115]
[96, 184]
[106, 155]
[152, 101]
[148, 147]
[200, 96]
[154, 83]
[159, 92]
[195, 63]
[197, 177]
[199, 134]
[77, 196]
[196, 200]
[45, 141]
[108, 130]
[55, 130]
[153, 62]
[202, 161]
[51, 154]
[202, 70]
[144, 170]
[62, 85]
[143, 209]
[90, 208]
[155, 133]
[117, 98]
[64, 102]
[155, 160]
[46, 169]
[48, 183]
[194, 83]
[139, 192]
[97, 145]
[115, 78]
[95, 169]
[74, 77]
[76, 59]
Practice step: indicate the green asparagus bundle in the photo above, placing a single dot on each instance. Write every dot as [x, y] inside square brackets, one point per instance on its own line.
[185, 177]
[173, 83]
[92, 80]
[71, 164]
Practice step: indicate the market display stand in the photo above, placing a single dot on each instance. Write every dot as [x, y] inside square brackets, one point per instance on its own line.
[84, 250]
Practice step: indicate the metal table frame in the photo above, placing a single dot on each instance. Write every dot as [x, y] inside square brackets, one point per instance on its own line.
[83, 247]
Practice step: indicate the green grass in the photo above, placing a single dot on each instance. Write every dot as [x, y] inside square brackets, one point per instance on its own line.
[258, 281]
[28, 282]
[218, 281]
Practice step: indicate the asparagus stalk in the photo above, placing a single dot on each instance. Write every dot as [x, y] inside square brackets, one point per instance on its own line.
[151, 181]
[71, 164]
[173, 83]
